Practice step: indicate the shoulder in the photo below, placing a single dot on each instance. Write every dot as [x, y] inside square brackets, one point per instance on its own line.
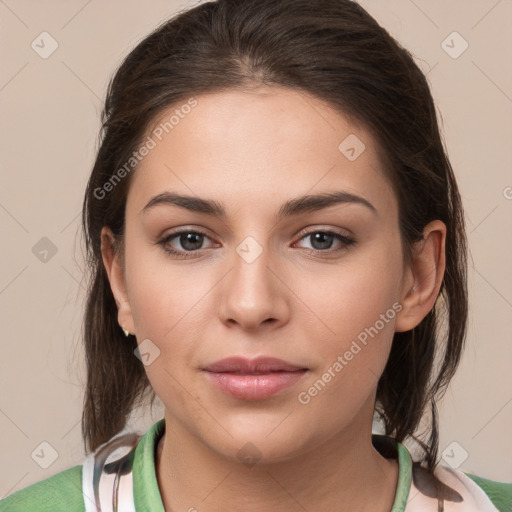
[95, 479]
[60, 492]
[500, 493]
[456, 491]
[462, 492]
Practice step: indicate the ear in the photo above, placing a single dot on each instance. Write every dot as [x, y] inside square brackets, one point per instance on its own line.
[116, 278]
[423, 278]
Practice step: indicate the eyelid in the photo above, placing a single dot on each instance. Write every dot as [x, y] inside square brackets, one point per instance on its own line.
[315, 228]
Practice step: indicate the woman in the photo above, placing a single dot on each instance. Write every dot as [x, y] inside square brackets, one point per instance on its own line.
[275, 234]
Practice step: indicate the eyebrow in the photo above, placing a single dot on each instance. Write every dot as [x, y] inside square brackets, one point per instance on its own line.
[296, 206]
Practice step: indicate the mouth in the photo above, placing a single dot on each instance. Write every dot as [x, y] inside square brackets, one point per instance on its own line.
[255, 379]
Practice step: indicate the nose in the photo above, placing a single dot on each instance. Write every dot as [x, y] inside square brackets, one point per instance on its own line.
[255, 292]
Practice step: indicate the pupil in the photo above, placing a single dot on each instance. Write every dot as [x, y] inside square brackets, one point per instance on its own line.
[320, 237]
[188, 239]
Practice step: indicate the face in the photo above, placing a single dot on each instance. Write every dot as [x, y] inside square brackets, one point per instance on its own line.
[318, 287]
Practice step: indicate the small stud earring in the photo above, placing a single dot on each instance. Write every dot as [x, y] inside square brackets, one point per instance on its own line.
[126, 333]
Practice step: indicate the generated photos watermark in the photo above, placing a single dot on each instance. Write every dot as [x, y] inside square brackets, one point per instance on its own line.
[150, 143]
[304, 397]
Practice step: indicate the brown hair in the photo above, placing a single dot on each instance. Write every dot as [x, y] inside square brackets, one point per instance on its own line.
[334, 50]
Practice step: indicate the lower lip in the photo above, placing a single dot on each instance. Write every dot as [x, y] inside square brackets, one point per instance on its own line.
[254, 387]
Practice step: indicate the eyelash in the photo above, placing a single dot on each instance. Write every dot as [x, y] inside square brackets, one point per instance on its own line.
[346, 241]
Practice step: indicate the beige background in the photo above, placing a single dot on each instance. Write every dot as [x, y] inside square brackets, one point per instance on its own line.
[50, 119]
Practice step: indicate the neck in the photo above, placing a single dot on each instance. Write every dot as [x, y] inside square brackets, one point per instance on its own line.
[345, 473]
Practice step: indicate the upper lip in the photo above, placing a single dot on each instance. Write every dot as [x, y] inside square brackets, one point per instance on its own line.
[259, 364]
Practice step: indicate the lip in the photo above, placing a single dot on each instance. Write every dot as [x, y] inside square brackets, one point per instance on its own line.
[253, 379]
[262, 364]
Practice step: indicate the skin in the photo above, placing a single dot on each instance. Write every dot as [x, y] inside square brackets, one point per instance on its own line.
[252, 151]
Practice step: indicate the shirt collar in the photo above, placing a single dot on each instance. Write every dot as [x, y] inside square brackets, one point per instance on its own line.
[145, 485]
[146, 494]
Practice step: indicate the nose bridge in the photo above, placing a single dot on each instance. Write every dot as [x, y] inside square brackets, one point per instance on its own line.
[251, 261]
[252, 293]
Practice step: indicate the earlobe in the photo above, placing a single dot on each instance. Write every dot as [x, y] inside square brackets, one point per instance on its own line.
[425, 276]
[116, 278]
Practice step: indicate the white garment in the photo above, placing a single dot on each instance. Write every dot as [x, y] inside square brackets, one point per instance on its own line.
[106, 487]
[475, 499]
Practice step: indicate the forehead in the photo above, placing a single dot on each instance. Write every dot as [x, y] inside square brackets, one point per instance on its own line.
[257, 146]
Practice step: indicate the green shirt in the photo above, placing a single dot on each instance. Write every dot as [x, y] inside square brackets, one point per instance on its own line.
[72, 490]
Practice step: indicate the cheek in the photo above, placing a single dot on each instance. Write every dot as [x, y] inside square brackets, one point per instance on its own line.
[171, 306]
[352, 357]
[169, 312]
[355, 306]
[164, 294]
[343, 299]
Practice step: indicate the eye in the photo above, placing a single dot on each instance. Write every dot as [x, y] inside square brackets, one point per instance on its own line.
[184, 243]
[322, 241]
[187, 243]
